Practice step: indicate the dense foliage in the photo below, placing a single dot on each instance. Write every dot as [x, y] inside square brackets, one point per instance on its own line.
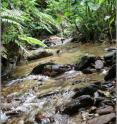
[85, 20]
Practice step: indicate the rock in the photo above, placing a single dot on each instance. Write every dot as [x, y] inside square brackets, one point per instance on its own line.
[67, 40]
[106, 110]
[93, 109]
[74, 106]
[50, 69]
[104, 119]
[99, 102]
[42, 119]
[99, 64]
[86, 100]
[108, 102]
[111, 75]
[13, 113]
[89, 90]
[85, 62]
[104, 93]
[88, 71]
[53, 41]
[110, 58]
[106, 86]
[110, 49]
[39, 53]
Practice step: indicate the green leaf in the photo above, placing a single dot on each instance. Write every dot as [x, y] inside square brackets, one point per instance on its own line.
[31, 40]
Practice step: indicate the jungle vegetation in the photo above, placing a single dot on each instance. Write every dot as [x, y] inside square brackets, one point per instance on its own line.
[26, 21]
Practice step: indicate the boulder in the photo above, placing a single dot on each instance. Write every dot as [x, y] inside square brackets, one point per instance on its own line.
[110, 58]
[55, 41]
[37, 54]
[50, 69]
[85, 62]
[89, 90]
[111, 75]
[74, 106]
[105, 110]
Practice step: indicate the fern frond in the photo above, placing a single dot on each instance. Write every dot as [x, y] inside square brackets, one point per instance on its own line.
[9, 21]
[14, 14]
[31, 40]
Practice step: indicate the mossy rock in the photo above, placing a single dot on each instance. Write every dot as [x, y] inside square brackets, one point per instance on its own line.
[85, 62]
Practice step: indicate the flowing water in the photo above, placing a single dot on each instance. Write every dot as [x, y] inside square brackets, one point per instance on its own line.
[27, 95]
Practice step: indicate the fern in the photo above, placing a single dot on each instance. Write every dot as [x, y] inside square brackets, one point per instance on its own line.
[12, 17]
[31, 40]
[13, 14]
[46, 20]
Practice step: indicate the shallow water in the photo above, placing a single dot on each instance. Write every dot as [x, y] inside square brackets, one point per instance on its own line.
[40, 94]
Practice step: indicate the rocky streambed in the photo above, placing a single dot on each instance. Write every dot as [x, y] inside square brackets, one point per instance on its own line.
[62, 89]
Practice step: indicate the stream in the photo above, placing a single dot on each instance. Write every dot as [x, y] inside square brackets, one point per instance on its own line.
[39, 99]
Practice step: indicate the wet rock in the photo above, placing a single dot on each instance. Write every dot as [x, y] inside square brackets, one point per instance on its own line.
[104, 119]
[74, 106]
[13, 113]
[89, 90]
[88, 70]
[93, 109]
[104, 93]
[99, 102]
[106, 110]
[55, 41]
[110, 58]
[86, 100]
[42, 119]
[50, 69]
[111, 75]
[37, 54]
[108, 102]
[85, 62]
[67, 40]
[110, 49]
[106, 86]
[99, 63]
